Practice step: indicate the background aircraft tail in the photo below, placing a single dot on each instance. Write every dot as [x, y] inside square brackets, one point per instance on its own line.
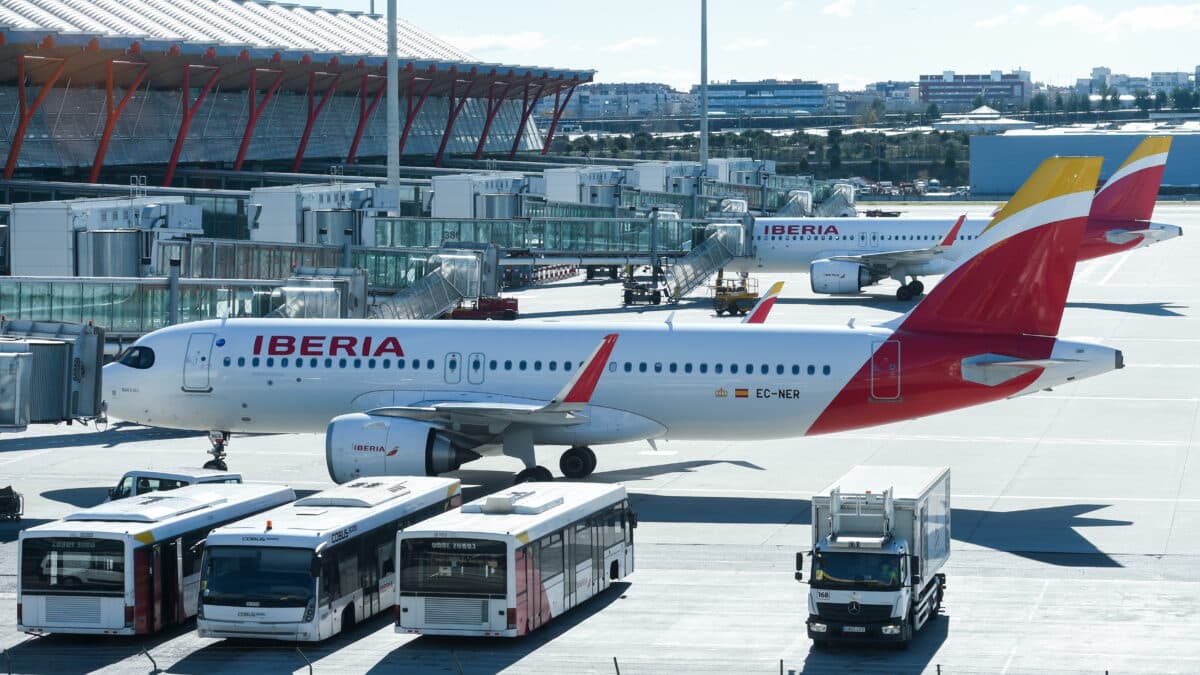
[1017, 284]
[1131, 191]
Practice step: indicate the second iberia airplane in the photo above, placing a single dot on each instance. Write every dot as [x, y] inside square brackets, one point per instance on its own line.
[423, 397]
[842, 255]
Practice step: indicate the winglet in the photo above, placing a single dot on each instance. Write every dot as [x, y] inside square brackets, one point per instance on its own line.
[1017, 284]
[1130, 193]
[948, 240]
[579, 390]
[764, 305]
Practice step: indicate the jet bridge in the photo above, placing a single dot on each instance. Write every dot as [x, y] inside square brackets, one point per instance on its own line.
[456, 275]
[49, 372]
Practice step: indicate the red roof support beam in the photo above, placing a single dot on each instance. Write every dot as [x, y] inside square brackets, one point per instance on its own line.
[364, 112]
[413, 111]
[527, 105]
[493, 107]
[453, 111]
[112, 113]
[558, 111]
[27, 112]
[314, 112]
[189, 112]
[256, 110]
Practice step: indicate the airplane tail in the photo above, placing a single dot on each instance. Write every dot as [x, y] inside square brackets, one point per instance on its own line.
[1017, 284]
[1129, 194]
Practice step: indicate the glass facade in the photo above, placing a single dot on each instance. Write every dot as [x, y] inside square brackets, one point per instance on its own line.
[543, 235]
[133, 307]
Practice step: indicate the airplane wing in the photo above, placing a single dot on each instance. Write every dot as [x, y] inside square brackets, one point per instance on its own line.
[763, 307]
[890, 259]
[564, 409]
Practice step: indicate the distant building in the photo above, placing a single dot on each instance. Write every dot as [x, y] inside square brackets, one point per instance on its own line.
[770, 97]
[628, 100]
[951, 91]
[1168, 82]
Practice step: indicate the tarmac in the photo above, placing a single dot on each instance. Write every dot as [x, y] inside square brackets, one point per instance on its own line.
[1076, 522]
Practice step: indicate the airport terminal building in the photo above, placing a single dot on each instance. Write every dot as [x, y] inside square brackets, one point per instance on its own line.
[1001, 163]
[91, 84]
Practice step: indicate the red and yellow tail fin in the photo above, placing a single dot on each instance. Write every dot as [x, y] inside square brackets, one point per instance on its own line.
[1130, 193]
[1018, 282]
[763, 307]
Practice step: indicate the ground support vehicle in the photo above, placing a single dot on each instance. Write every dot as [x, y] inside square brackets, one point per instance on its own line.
[505, 309]
[507, 564]
[12, 503]
[142, 481]
[311, 569]
[130, 566]
[880, 537]
[736, 296]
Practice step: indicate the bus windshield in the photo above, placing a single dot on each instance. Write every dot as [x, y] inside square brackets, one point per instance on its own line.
[267, 576]
[461, 567]
[839, 569]
[73, 566]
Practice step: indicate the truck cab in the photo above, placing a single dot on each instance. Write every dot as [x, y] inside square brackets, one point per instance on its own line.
[874, 565]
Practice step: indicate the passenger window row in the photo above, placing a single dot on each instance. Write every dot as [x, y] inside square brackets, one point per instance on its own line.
[527, 365]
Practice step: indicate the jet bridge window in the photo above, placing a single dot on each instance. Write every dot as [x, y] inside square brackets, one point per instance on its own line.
[138, 357]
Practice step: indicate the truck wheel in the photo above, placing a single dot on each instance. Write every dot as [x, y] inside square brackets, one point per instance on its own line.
[629, 297]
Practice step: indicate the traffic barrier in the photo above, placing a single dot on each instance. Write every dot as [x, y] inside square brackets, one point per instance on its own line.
[548, 273]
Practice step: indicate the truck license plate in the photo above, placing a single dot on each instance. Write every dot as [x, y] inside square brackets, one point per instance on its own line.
[854, 629]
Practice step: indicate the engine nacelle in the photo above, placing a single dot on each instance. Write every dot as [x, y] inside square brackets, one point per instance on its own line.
[838, 276]
[359, 444]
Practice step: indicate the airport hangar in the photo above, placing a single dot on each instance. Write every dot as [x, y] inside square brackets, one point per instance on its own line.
[1001, 162]
[267, 83]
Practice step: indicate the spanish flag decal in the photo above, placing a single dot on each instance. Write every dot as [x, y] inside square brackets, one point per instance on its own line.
[741, 393]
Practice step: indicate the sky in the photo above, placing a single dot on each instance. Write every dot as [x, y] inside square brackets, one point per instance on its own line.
[850, 42]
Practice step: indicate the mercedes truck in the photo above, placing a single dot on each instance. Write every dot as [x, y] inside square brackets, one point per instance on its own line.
[880, 537]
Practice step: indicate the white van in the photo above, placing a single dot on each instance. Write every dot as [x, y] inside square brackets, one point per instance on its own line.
[141, 481]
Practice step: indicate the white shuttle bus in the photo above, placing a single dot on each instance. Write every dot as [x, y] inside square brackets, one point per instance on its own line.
[310, 569]
[506, 564]
[129, 566]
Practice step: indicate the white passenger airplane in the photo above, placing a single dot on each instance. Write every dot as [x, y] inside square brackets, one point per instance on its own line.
[842, 255]
[423, 397]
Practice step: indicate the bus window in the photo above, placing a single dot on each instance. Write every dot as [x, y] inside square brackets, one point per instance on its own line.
[551, 564]
[465, 567]
[284, 575]
[73, 565]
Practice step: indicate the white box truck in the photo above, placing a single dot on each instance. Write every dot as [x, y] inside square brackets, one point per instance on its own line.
[880, 537]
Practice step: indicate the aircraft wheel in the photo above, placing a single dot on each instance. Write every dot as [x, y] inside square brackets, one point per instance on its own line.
[917, 287]
[904, 293]
[216, 465]
[577, 462]
[536, 474]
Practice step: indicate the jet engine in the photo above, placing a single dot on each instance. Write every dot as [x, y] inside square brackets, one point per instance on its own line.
[359, 444]
[838, 276]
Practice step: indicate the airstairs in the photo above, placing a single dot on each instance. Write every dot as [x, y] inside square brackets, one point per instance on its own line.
[721, 244]
[839, 203]
[456, 276]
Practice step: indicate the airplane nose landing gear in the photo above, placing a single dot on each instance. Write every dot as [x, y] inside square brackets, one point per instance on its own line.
[535, 474]
[219, 440]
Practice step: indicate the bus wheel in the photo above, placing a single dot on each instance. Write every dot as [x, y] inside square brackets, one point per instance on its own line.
[348, 618]
[614, 571]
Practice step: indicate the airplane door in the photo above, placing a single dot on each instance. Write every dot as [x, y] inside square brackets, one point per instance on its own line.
[862, 239]
[873, 239]
[196, 362]
[475, 368]
[453, 372]
[885, 371]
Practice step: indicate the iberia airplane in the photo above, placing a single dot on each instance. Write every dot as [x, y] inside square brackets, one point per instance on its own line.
[423, 397]
[842, 255]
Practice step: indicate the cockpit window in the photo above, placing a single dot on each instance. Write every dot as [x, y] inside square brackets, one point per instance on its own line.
[138, 357]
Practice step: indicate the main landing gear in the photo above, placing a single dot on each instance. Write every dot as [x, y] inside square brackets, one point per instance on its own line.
[910, 290]
[219, 440]
[577, 462]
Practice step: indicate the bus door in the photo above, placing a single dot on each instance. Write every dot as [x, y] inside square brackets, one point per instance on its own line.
[371, 576]
[475, 368]
[172, 582]
[599, 575]
[568, 567]
[195, 363]
[156, 589]
[534, 591]
[453, 372]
